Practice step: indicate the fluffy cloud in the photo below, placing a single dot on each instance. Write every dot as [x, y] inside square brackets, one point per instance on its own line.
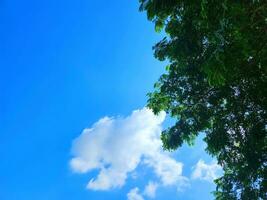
[134, 195]
[204, 171]
[150, 189]
[116, 146]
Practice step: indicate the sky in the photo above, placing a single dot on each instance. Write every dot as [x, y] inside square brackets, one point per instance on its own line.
[73, 123]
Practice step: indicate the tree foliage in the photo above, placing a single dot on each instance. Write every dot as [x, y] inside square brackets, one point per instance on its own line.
[216, 83]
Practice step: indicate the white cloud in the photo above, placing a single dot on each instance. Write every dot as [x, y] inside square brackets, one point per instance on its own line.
[204, 171]
[150, 189]
[116, 146]
[166, 168]
[134, 195]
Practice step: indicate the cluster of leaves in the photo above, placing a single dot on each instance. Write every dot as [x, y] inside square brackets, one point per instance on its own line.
[216, 83]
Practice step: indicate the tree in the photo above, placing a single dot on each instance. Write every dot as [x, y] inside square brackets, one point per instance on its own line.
[216, 83]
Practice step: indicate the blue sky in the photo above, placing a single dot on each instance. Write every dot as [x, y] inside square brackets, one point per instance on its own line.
[65, 65]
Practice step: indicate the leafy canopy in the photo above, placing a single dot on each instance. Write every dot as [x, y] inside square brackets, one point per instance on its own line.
[216, 83]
